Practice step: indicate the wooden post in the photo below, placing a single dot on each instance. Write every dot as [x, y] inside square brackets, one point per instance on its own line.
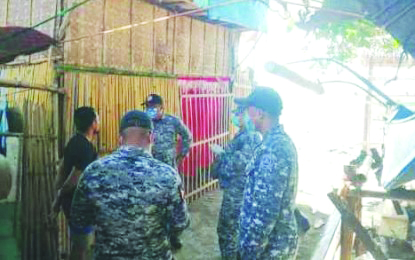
[350, 221]
[347, 237]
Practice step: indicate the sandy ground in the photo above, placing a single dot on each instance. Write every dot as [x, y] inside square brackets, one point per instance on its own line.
[200, 239]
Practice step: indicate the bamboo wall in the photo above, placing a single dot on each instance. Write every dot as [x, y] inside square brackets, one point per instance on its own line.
[38, 239]
[181, 45]
[28, 13]
[112, 96]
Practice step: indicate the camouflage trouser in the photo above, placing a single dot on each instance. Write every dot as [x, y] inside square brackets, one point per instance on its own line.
[228, 224]
[281, 248]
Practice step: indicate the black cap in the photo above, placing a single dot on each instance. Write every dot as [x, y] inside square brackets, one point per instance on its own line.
[136, 118]
[153, 99]
[264, 98]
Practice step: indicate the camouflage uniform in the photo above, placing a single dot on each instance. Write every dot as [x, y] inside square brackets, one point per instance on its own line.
[165, 132]
[133, 202]
[268, 229]
[230, 169]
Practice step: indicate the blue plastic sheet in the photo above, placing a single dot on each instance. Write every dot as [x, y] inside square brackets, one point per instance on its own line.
[248, 14]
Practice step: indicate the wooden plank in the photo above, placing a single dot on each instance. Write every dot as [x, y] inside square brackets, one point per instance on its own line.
[353, 223]
[328, 243]
[117, 45]
[346, 237]
[398, 194]
[142, 37]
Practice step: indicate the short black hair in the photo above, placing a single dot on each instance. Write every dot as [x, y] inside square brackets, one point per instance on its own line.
[84, 117]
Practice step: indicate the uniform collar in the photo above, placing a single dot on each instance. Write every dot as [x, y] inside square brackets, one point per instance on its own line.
[133, 151]
[277, 128]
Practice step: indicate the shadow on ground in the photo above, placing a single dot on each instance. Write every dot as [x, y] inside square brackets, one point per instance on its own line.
[200, 240]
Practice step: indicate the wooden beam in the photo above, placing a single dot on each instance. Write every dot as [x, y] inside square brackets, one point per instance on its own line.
[16, 84]
[353, 223]
[398, 194]
[328, 243]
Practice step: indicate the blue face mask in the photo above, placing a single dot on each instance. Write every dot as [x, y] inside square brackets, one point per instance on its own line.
[249, 125]
[152, 112]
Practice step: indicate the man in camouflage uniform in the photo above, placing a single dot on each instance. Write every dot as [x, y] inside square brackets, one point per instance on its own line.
[229, 167]
[132, 201]
[268, 228]
[166, 130]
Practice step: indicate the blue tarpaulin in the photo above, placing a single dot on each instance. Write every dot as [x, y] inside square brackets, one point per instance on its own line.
[249, 14]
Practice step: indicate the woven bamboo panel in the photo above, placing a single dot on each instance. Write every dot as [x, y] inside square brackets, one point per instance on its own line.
[209, 49]
[86, 20]
[3, 12]
[196, 47]
[117, 44]
[171, 35]
[226, 53]
[19, 15]
[182, 45]
[220, 48]
[163, 56]
[142, 37]
[112, 96]
[41, 10]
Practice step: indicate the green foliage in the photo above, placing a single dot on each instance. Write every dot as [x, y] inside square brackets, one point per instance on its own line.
[347, 37]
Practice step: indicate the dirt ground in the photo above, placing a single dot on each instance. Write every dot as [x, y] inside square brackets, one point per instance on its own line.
[200, 240]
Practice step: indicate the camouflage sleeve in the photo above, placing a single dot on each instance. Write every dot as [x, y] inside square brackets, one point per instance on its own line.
[241, 152]
[262, 207]
[177, 215]
[244, 155]
[186, 136]
[83, 209]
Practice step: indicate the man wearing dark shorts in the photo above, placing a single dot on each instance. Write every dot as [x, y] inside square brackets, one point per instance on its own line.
[78, 154]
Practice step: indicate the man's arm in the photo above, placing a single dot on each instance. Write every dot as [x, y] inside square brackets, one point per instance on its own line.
[238, 154]
[82, 220]
[60, 177]
[262, 206]
[177, 215]
[186, 136]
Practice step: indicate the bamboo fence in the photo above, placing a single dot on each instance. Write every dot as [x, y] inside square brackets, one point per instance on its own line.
[112, 96]
[38, 239]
